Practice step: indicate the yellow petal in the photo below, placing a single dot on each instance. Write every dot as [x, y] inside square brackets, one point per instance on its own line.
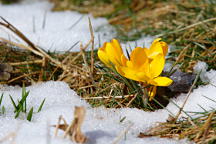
[128, 73]
[161, 81]
[117, 47]
[142, 76]
[113, 54]
[152, 92]
[164, 47]
[158, 47]
[103, 57]
[138, 57]
[157, 65]
[123, 60]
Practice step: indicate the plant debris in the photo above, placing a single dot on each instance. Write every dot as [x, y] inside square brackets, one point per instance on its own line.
[201, 130]
[73, 131]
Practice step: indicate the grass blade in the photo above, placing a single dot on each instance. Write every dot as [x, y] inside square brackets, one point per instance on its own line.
[41, 105]
[30, 114]
[1, 98]
[14, 104]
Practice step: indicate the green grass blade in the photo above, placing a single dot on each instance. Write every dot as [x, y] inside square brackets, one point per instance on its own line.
[1, 98]
[17, 113]
[41, 105]
[13, 103]
[3, 110]
[30, 114]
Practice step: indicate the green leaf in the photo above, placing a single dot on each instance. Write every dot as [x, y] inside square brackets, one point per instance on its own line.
[14, 104]
[3, 110]
[18, 112]
[1, 98]
[41, 105]
[30, 114]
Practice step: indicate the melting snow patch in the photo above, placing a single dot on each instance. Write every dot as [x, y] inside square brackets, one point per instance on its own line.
[54, 31]
[101, 125]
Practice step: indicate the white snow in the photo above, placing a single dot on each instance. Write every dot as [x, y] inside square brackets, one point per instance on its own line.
[101, 125]
[201, 68]
[51, 30]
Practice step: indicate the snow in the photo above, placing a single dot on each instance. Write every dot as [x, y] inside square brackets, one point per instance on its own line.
[201, 68]
[51, 30]
[101, 125]
[56, 31]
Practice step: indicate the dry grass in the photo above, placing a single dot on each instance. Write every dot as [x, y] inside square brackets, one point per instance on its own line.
[189, 25]
[81, 70]
[201, 130]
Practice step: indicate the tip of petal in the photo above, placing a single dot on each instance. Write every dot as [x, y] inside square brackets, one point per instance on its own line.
[161, 81]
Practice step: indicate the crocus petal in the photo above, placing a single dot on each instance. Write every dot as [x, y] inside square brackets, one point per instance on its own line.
[157, 47]
[157, 65]
[116, 45]
[123, 60]
[113, 54]
[161, 81]
[128, 73]
[152, 92]
[103, 57]
[138, 57]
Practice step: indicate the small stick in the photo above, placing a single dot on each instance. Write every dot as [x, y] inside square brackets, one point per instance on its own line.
[58, 125]
[21, 46]
[108, 97]
[92, 48]
[42, 70]
[131, 100]
[26, 62]
[19, 77]
[188, 94]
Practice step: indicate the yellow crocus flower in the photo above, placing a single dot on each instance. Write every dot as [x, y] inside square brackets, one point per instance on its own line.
[144, 65]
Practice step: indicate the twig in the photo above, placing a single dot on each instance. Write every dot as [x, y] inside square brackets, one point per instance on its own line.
[108, 97]
[26, 62]
[131, 100]
[19, 77]
[92, 48]
[21, 46]
[58, 125]
[188, 94]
